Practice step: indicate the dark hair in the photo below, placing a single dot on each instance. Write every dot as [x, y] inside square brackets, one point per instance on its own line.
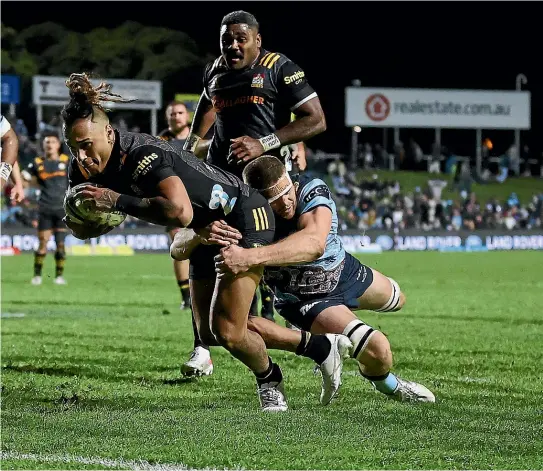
[240, 17]
[86, 100]
[263, 172]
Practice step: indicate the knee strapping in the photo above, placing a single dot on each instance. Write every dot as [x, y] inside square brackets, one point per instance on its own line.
[394, 299]
[359, 334]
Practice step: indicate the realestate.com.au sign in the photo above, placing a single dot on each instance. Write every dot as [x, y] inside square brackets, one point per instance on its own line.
[153, 240]
[431, 108]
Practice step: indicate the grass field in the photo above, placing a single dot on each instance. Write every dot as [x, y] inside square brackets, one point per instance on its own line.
[90, 374]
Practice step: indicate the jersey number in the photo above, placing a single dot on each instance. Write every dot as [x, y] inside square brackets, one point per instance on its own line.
[219, 197]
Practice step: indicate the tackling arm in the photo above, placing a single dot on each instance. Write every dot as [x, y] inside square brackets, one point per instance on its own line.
[217, 232]
[184, 242]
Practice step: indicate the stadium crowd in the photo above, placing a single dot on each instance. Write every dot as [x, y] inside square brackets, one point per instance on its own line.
[363, 203]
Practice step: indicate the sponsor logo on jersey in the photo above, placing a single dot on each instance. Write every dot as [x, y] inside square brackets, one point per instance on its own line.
[321, 190]
[258, 81]
[295, 78]
[144, 165]
[219, 103]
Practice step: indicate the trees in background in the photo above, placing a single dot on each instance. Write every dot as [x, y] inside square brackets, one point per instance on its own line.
[129, 51]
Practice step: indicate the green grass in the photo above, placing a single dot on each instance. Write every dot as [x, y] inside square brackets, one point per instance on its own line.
[525, 188]
[92, 371]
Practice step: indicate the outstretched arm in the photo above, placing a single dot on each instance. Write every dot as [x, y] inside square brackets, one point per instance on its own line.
[171, 208]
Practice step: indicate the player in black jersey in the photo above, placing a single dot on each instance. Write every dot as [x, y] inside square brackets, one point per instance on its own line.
[148, 178]
[251, 96]
[50, 173]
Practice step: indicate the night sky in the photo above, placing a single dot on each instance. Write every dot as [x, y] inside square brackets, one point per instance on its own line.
[472, 45]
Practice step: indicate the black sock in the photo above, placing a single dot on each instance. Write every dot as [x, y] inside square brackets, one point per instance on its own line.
[267, 305]
[197, 341]
[272, 375]
[316, 347]
[38, 263]
[185, 291]
[60, 258]
[254, 306]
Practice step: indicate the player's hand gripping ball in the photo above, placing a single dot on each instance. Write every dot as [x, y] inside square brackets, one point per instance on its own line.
[83, 211]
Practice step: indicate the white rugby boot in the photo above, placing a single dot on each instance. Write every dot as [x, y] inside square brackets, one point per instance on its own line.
[59, 280]
[272, 397]
[36, 280]
[333, 365]
[199, 363]
[409, 391]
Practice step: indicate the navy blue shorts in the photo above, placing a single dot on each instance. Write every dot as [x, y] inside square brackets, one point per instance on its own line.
[353, 282]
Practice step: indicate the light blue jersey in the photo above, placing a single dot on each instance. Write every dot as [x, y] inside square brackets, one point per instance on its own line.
[320, 276]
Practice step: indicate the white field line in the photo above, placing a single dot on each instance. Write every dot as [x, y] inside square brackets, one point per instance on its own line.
[139, 465]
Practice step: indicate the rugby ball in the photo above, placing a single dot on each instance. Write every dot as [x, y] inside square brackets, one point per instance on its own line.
[83, 212]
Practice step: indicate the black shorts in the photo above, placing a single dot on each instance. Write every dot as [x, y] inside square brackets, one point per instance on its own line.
[354, 280]
[51, 219]
[253, 217]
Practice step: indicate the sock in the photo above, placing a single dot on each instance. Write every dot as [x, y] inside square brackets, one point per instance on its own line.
[386, 383]
[38, 263]
[197, 341]
[316, 347]
[359, 334]
[60, 258]
[253, 311]
[185, 291]
[267, 305]
[272, 375]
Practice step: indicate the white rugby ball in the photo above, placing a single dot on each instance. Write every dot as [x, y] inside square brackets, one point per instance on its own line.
[81, 211]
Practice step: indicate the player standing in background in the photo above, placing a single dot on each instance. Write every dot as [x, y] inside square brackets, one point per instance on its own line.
[176, 134]
[178, 130]
[249, 96]
[9, 167]
[50, 173]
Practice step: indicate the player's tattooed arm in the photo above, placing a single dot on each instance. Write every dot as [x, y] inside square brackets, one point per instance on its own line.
[171, 207]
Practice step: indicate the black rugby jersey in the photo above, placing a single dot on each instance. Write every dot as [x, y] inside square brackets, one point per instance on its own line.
[254, 102]
[52, 177]
[139, 162]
